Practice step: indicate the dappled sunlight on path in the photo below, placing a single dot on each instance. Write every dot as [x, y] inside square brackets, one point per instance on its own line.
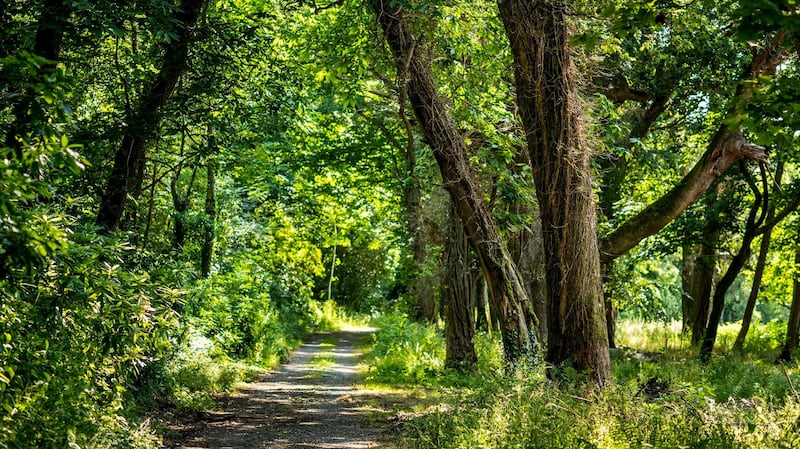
[312, 402]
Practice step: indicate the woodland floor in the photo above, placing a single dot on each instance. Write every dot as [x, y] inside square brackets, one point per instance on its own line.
[317, 400]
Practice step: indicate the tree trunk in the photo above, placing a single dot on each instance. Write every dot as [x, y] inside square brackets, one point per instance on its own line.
[793, 325]
[699, 267]
[527, 250]
[697, 277]
[507, 294]
[209, 225]
[614, 170]
[549, 107]
[421, 284]
[736, 265]
[129, 160]
[459, 297]
[758, 275]
[761, 263]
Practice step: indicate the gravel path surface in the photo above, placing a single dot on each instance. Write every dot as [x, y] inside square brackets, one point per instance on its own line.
[311, 402]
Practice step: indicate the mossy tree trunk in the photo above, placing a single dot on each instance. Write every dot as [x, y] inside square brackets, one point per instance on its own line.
[507, 294]
[725, 148]
[549, 106]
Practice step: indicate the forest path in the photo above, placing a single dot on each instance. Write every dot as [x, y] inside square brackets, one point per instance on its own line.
[311, 402]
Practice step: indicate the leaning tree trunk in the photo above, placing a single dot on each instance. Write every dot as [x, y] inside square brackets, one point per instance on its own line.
[726, 148]
[736, 265]
[508, 298]
[550, 111]
[129, 160]
[458, 293]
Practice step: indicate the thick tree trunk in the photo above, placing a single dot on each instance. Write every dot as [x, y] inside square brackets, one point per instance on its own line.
[725, 148]
[507, 294]
[458, 293]
[793, 324]
[550, 111]
[129, 161]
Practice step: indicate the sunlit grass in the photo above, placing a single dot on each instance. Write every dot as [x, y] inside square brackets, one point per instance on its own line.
[730, 402]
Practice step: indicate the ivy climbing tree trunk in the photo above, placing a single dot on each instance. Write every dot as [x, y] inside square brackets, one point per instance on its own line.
[127, 173]
[550, 110]
[507, 294]
[458, 294]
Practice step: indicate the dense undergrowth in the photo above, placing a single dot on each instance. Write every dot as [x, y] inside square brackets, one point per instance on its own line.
[675, 401]
[103, 335]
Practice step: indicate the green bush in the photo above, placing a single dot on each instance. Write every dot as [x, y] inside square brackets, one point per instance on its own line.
[76, 336]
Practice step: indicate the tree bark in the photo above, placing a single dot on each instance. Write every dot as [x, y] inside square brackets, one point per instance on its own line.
[459, 297]
[507, 294]
[725, 148]
[698, 282]
[129, 160]
[699, 268]
[421, 284]
[549, 107]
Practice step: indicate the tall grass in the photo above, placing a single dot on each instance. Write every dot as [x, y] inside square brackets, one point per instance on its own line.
[732, 402]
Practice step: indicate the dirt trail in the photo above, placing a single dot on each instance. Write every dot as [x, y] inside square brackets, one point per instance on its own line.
[311, 402]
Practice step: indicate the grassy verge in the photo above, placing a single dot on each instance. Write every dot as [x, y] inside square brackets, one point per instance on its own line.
[666, 399]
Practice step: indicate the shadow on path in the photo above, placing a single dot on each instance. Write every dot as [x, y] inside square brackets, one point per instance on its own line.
[311, 402]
